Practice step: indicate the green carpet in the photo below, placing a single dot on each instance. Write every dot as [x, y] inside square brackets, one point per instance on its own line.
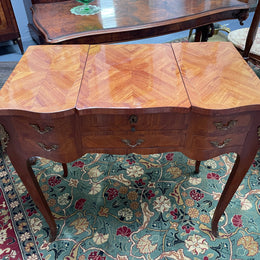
[135, 207]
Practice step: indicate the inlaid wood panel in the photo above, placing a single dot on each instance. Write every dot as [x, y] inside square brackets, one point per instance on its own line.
[173, 139]
[218, 142]
[220, 125]
[52, 138]
[141, 122]
[215, 83]
[121, 20]
[47, 79]
[132, 77]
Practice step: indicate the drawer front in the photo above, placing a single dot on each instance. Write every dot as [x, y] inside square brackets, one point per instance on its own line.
[217, 142]
[138, 140]
[220, 125]
[134, 122]
[47, 138]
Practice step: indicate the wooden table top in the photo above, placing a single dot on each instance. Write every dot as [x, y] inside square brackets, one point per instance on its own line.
[209, 76]
[127, 20]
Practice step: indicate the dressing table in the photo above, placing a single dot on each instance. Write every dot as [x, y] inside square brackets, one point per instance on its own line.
[62, 101]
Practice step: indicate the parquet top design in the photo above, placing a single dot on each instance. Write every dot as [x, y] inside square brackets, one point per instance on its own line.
[216, 77]
[181, 76]
[132, 76]
[47, 79]
[127, 15]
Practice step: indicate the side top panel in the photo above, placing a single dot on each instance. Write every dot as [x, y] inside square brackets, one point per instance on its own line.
[216, 77]
[46, 80]
[132, 77]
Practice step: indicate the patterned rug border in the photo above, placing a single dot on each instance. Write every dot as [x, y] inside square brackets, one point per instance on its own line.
[19, 221]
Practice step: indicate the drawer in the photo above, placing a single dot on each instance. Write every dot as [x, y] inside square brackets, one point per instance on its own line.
[142, 140]
[51, 129]
[54, 138]
[217, 142]
[137, 122]
[220, 125]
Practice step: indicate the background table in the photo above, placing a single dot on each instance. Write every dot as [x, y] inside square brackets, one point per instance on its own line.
[125, 20]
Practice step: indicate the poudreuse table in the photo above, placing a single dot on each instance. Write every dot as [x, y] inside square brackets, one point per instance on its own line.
[63, 101]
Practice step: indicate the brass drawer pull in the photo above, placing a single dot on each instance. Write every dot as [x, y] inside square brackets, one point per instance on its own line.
[127, 142]
[47, 129]
[48, 148]
[228, 125]
[221, 145]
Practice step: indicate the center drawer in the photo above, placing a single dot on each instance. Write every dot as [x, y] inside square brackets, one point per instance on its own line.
[173, 139]
[133, 121]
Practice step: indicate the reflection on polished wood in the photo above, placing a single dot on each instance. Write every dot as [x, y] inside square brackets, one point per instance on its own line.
[126, 68]
[129, 20]
[44, 71]
[61, 102]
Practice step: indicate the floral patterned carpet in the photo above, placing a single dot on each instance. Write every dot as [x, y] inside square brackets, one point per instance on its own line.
[130, 207]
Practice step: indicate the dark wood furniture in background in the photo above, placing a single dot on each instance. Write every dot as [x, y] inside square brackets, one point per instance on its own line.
[61, 102]
[8, 26]
[52, 22]
[251, 37]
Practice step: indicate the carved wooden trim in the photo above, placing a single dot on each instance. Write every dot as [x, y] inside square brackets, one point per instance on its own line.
[242, 16]
[4, 137]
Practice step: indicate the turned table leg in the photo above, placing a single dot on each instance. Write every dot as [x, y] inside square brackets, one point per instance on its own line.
[26, 174]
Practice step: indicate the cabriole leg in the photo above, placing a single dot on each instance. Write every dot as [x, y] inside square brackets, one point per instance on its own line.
[26, 174]
[239, 170]
[197, 167]
[65, 170]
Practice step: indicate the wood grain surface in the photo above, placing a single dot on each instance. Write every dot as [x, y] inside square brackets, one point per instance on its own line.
[208, 76]
[132, 76]
[129, 20]
[47, 79]
[61, 102]
[216, 77]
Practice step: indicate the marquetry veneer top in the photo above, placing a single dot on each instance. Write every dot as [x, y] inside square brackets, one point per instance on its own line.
[181, 76]
[58, 24]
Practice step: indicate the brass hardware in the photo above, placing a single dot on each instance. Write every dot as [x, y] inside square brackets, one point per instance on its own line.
[133, 119]
[48, 148]
[127, 142]
[228, 125]
[221, 145]
[4, 137]
[46, 130]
